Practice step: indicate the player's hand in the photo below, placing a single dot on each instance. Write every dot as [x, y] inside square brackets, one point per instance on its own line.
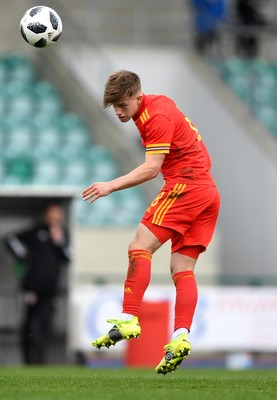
[96, 190]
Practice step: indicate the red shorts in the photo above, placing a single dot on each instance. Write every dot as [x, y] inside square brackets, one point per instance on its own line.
[186, 214]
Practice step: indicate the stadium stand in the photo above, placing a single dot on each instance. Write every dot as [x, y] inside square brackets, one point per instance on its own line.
[44, 145]
[254, 82]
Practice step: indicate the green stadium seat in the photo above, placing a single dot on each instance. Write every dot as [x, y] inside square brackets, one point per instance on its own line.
[2, 139]
[268, 116]
[21, 104]
[240, 86]
[78, 137]
[3, 101]
[263, 94]
[19, 140]
[47, 140]
[3, 72]
[98, 153]
[76, 173]
[103, 212]
[104, 170]
[20, 68]
[268, 80]
[19, 169]
[70, 121]
[42, 119]
[50, 104]
[233, 67]
[255, 82]
[45, 89]
[2, 172]
[16, 88]
[47, 171]
[132, 202]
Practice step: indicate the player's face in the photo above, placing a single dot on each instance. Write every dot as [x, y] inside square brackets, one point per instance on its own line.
[127, 107]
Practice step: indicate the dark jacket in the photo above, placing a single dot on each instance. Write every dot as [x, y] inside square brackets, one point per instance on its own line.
[41, 256]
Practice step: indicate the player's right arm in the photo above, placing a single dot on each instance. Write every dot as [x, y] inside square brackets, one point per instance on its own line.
[144, 172]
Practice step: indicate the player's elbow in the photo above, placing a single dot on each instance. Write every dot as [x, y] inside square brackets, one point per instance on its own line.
[154, 172]
[152, 166]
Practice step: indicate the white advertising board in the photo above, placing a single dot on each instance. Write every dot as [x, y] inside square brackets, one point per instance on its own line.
[226, 318]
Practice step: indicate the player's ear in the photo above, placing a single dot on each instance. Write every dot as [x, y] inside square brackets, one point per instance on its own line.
[139, 97]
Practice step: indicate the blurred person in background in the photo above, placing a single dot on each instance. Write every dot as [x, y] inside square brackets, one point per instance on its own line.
[251, 19]
[41, 250]
[185, 211]
[209, 15]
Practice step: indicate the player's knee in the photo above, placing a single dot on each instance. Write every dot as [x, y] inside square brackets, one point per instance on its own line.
[181, 262]
[142, 245]
[174, 269]
[131, 246]
[136, 245]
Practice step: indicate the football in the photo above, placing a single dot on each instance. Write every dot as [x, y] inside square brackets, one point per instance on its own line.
[41, 26]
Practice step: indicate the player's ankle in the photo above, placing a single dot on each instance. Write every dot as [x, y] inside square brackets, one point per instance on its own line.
[179, 332]
[127, 317]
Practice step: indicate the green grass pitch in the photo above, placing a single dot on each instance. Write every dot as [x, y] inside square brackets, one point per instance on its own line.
[66, 383]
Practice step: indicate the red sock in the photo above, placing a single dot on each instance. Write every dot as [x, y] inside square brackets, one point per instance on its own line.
[186, 298]
[137, 280]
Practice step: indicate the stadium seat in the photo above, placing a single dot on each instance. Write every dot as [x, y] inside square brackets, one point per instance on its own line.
[69, 153]
[255, 82]
[47, 141]
[19, 140]
[48, 99]
[2, 172]
[42, 119]
[50, 104]
[71, 120]
[76, 173]
[21, 104]
[104, 170]
[3, 71]
[263, 94]
[78, 137]
[44, 89]
[19, 169]
[20, 68]
[103, 212]
[2, 138]
[268, 116]
[3, 102]
[240, 86]
[47, 171]
[17, 88]
[231, 67]
[131, 205]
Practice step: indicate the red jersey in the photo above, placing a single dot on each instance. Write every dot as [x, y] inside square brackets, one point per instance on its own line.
[165, 129]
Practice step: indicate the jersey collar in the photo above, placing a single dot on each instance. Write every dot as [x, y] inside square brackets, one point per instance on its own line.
[141, 108]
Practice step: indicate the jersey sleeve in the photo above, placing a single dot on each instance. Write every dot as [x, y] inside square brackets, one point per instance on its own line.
[159, 134]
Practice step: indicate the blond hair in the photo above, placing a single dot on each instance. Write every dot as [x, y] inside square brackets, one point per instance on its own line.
[119, 85]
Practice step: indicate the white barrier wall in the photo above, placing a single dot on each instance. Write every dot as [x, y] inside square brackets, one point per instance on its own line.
[101, 253]
[227, 318]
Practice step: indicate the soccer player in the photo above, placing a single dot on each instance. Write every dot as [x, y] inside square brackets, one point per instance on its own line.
[185, 211]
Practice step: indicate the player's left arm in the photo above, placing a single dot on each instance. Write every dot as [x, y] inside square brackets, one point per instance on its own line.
[144, 172]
